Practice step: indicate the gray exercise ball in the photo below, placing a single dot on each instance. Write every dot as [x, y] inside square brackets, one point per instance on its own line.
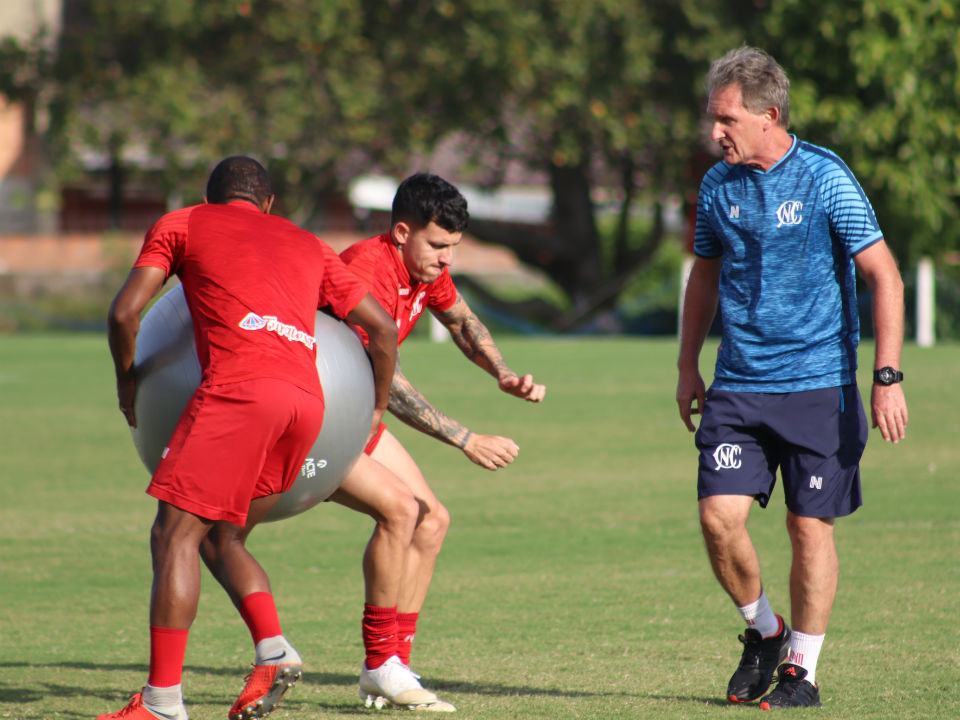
[168, 372]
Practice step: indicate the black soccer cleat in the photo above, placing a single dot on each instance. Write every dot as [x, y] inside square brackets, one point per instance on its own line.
[759, 662]
[792, 690]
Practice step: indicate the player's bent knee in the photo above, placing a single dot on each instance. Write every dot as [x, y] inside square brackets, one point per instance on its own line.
[433, 527]
[167, 543]
[400, 510]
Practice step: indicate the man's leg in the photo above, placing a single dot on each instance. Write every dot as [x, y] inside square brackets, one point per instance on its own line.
[813, 586]
[373, 489]
[277, 665]
[431, 528]
[225, 553]
[827, 432]
[174, 541]
[814, 572]
[723, 521]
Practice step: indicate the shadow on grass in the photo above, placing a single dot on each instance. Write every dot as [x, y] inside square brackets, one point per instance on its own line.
[719, 702]
[24, 696]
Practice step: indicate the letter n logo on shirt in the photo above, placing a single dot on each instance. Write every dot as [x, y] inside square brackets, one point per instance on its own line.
[734, 212]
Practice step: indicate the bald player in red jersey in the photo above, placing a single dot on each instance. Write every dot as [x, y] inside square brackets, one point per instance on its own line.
[253, 283]
[406, 271]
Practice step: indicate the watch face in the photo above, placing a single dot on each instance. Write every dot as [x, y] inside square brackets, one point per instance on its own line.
[887, 376]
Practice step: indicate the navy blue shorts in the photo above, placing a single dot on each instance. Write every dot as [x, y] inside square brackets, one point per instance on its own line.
[814, 437]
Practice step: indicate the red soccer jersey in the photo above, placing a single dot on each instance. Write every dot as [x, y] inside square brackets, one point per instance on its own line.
[253, 283]
[377, 262]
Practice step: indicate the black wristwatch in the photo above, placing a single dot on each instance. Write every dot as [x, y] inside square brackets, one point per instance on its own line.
[887, 376]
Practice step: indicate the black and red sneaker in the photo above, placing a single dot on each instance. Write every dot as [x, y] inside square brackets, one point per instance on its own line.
[758, 663]
[793, 690]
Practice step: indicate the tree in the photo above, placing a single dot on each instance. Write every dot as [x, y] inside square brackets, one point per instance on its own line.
[878, 81]
[602, 98]
[185, 84]
[593, 94]
[597, 95]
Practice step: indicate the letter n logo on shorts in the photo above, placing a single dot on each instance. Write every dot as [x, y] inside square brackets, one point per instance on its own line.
[727, 456]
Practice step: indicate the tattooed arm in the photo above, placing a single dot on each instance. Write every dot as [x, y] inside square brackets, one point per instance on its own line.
[475, 341]
[410, 406]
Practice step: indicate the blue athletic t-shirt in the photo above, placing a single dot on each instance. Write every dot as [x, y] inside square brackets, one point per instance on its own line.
[788, 299]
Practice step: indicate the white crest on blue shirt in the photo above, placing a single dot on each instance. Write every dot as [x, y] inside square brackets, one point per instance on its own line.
[789, 213]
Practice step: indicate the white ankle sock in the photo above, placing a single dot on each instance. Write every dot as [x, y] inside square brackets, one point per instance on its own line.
[805, 651]
[163, 698]
[275, 650]
[760, 617]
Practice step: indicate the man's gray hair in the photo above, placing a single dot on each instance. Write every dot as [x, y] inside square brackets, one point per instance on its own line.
[763, 82]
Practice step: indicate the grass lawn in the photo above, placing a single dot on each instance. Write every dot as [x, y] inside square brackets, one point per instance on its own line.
[573, 584]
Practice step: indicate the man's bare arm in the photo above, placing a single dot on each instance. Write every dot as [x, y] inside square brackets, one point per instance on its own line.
[475, 342]
[409, 405]
[472, 337]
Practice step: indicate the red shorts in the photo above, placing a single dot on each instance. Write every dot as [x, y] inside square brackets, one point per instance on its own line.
[375, 440]
[234, 443]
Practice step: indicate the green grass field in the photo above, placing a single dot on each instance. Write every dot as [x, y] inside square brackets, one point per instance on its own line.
[573, 584]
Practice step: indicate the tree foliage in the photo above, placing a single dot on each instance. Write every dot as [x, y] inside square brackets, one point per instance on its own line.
[601, 98]
[878, 82]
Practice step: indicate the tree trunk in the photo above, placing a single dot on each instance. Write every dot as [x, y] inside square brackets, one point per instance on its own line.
[576, 264]
[568, 250]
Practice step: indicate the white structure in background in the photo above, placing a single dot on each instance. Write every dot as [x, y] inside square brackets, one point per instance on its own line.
[526, 205]
[21, 164]
[926, 308]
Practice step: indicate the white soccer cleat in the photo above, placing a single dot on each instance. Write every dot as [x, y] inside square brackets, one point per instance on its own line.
[393, 684]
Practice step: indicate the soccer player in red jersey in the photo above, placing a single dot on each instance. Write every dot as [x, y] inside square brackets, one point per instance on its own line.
[407, 272]
[253, 283]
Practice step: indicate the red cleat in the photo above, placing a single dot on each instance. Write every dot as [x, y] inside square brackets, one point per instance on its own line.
[264, 690]
[136, 710]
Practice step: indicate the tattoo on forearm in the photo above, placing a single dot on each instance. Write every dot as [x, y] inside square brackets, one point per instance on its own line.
[473, 338]
[411, 407]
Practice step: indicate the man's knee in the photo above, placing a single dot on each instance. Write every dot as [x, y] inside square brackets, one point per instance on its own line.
[223, 539]
[433, 526]
[809, 531]
[167, 541]
[714, 520]
[400, 510]
[722, 516]
[176, 530]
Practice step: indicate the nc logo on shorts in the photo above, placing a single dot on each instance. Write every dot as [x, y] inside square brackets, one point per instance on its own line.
[253, 322]
[727, 456]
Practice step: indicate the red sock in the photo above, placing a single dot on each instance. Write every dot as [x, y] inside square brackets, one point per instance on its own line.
[379, 634]
[167, 649]
[259, 612]
[406, 629]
